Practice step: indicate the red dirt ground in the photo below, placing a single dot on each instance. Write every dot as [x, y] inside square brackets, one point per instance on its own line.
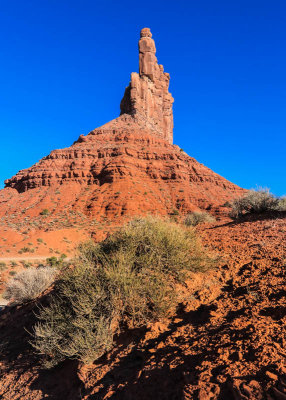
[226, 343]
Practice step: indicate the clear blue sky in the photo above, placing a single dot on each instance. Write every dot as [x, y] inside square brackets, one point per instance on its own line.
[65, 64]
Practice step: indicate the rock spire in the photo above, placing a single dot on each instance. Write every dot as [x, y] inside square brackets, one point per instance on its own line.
[147, 98]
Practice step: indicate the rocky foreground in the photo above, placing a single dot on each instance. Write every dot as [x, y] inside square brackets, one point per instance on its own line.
[227, 342]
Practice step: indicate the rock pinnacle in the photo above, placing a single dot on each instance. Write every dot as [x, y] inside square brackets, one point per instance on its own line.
[147, 98]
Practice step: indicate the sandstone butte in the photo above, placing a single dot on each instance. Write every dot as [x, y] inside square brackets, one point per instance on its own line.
[227, 342]
[127, 167]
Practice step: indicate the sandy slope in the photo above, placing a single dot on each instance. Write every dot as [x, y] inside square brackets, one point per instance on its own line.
[227, 343]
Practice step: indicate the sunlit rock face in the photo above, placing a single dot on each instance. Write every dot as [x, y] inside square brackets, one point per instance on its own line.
[147, 97]
[126, 167]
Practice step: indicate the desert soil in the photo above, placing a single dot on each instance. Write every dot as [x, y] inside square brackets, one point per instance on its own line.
[227, 342]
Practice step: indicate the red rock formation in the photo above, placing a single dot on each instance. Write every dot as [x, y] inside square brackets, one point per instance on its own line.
[147, 97]
[120, 154]
[126, 167]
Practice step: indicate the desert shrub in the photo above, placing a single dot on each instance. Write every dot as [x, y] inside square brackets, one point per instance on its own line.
[24, 250]
[26, 264]
[13, 264]
[198, 217]
[255, 201]
[45, 211]
[57, 261]
[282, 204]
[129, 278]
[175, 212]
[29, 284]
[52, 261]
[3, 266]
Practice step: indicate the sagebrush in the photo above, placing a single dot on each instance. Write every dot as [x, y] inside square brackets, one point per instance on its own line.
[255, 201]
[282, 203]
[130, 278]
[29, 284]
[198, 217]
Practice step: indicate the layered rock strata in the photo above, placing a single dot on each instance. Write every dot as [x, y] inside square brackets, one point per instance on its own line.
[127, 166]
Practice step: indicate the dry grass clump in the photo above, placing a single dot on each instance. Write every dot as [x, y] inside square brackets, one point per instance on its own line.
[255, 201]
[29, 284]
[198, 217]
[129, 278]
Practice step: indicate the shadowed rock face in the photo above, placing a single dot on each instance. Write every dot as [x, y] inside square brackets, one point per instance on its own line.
[147, 97]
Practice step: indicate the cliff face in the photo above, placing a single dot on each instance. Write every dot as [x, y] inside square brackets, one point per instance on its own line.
[126, 167]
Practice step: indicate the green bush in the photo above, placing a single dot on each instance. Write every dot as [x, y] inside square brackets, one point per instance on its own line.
[175, 212]
[131, 278]
[24, 250]
[57, 261]
[255, 201]
[198, 217]
[45, 211]
[13, 264]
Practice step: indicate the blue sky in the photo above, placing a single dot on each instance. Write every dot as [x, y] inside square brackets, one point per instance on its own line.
[65, 64]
